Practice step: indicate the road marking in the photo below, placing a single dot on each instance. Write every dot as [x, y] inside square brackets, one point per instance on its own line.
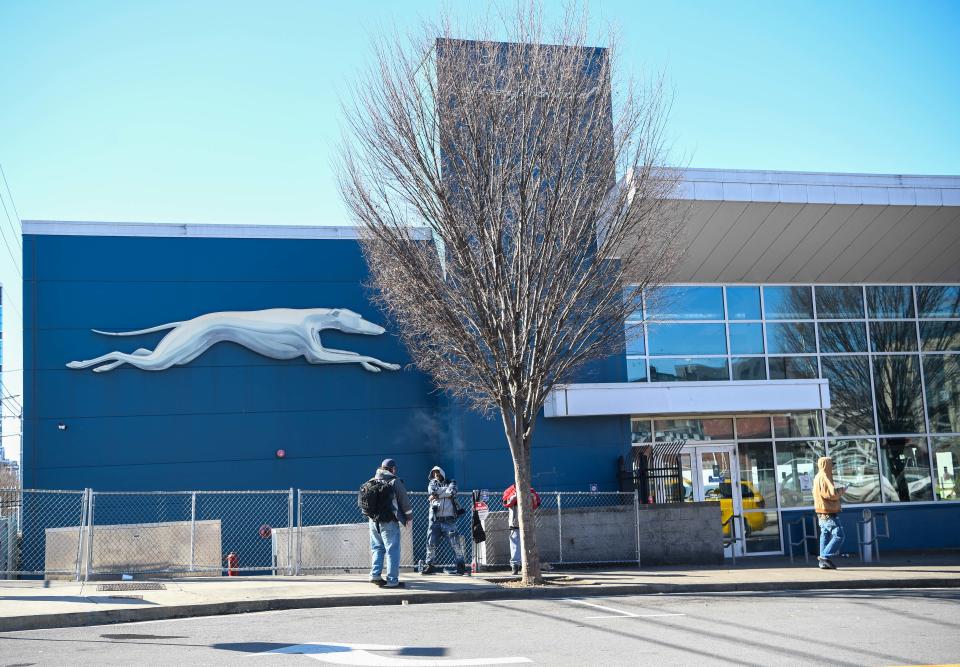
[616, 612]
[359, 654]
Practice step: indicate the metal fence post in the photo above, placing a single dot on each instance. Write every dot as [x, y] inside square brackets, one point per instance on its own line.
[90, 513]
[636, 512]
[290, 569]
[299, 530]
[193, 531]
[560, 525]
[81, 531]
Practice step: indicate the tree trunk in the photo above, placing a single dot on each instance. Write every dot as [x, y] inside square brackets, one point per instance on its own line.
[520, 449]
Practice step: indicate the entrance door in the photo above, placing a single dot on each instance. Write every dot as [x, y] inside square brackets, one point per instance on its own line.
[713, 472]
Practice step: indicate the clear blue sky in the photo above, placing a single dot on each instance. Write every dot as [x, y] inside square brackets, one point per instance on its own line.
[228, 111]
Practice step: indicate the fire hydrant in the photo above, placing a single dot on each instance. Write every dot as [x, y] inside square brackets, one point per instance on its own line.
[233, 564]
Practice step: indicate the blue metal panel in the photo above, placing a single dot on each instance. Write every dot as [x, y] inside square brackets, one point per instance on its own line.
[217, 422]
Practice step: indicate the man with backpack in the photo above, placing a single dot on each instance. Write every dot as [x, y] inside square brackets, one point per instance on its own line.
[383, 500]
[442, 521]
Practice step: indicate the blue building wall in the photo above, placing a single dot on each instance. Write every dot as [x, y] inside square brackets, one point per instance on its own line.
[217, 422]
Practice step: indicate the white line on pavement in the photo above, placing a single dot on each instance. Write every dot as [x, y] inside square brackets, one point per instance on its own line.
[617, 613]
[635, 616]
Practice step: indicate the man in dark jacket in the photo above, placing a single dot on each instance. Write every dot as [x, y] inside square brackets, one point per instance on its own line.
[385, 533]
[442, 494]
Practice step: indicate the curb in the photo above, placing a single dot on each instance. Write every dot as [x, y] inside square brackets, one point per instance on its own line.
[162, 613]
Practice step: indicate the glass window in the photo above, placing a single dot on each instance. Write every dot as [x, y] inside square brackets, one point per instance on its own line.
[938, 301]
[688, 370]
[758, 491]
[796, 468]
[896, 385]
[749, 368]
[636, 370]
[844, 337]
[851, 411]
[941, 336]
[788, 303]
[793, 368]
[942, 377]
[946, 463]
[890, 302]
[839, 303]
[746, 338]
[893, 337]
[796, 425]
[675, 339]
[743, 303]
[790, 338]
[685, 303]
[693, 429]
[855, 468]
[905, 470]
[753, 427]
[634, 297]
[634, 337]
[640, 430]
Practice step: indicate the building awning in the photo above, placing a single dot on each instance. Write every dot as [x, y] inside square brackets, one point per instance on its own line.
[686, 398]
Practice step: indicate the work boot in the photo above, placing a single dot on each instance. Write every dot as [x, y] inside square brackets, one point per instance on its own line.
[514, 569]
[461, 568]
[428, 568]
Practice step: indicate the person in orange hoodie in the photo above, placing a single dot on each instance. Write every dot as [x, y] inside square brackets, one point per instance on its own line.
[826, 503]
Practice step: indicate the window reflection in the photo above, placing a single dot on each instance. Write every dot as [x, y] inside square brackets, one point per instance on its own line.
[743, 303]
[942, 376]
[796, 468]
[753, 427]
[688, 370]
[746, 338]
[675, 339]
[640, 430]
[890, 302]
[796, 425]
[636, 370]
[634, 337]
[893, 336]
[793, 368]
[748, 368]
[940, 336]
[946, 463]
[844, 337]
[839, 303]
[938, 301]
[855, 467]
[905, 469]
[790, 338]
[685, 303]
[788, 303]
[694, 429]
[899, 401]
[851, 410]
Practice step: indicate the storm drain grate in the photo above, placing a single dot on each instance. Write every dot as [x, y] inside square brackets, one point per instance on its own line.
[133, 586]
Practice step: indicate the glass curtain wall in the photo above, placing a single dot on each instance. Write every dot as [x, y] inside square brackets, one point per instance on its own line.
[890, 352]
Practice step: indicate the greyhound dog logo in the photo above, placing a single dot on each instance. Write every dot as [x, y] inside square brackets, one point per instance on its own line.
[278, 333]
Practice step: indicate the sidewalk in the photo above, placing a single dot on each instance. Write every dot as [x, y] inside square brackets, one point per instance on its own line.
[29, 605]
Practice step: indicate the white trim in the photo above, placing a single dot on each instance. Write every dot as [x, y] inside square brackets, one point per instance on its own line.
[665, 398]
[800, 187]
[176, 230]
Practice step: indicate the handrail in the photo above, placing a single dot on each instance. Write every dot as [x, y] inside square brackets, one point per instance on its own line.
[804, 537]
[874, 543]
[732, 543]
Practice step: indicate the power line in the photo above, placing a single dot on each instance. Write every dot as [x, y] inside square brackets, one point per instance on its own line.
[12, 202]
[17, 230]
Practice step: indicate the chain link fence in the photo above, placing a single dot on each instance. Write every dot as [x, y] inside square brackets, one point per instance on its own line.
[95, 534]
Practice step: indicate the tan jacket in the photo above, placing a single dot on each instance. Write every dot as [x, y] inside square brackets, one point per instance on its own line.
[826, 498]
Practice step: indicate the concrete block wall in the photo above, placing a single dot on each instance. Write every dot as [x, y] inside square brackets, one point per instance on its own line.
[687, 533]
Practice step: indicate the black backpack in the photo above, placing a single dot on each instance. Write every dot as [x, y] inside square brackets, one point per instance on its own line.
[375, 500]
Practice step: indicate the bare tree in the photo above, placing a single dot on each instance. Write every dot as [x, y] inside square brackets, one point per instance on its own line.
[505, 209]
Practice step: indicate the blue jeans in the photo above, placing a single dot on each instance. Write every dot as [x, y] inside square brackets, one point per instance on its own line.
[385, 540]
[515, 556]
[443, 527]
[831, 536]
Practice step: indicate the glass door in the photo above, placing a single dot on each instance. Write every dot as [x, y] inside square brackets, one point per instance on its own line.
[714, 476]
